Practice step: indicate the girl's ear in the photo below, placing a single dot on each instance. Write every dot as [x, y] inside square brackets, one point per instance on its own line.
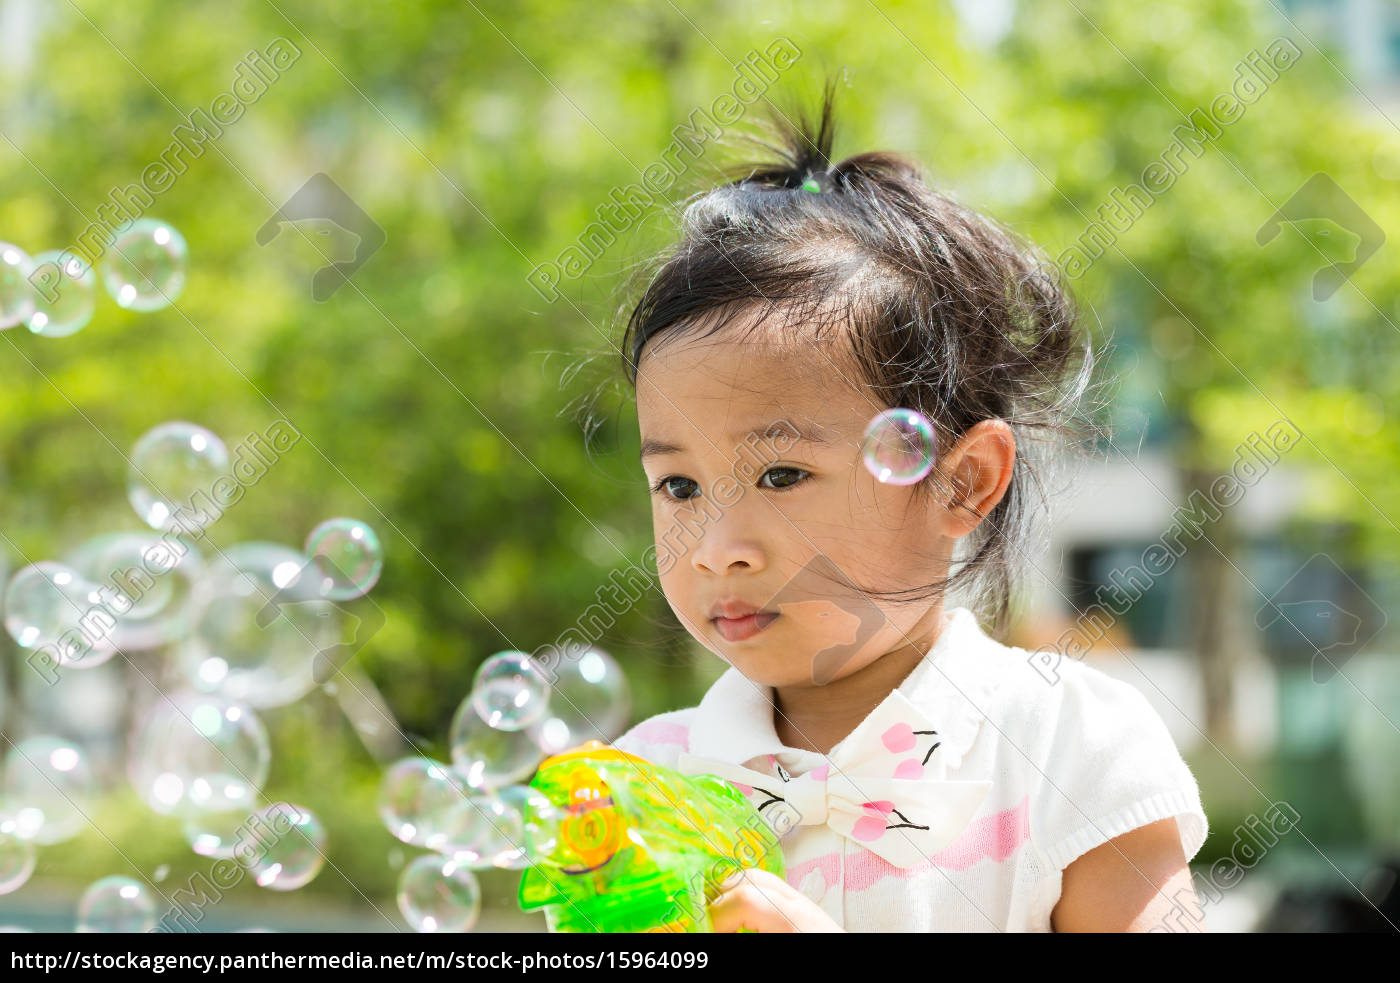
[978, 469]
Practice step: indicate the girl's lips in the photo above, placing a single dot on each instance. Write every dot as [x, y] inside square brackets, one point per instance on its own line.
[739, 629]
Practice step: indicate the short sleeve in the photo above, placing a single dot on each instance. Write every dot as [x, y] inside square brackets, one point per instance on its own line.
[1107, 766]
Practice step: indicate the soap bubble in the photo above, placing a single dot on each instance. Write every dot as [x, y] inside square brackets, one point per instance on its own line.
[199, 752]
[505, 828]
[17, 858]
[215, 834]
[510, 691]
[589, 700]
[503, 837]
[116, 904]
[145, 266]
[462, 830]
[348, 555]
[485, 756]
[47, 605]
[65, 294]
[437, 894]
[152, 580]
[16, 292]
[531, 827]
[259, 625]
[290, 854]
[47, 790]
[898, 447]
[173, 467]
[414, 794]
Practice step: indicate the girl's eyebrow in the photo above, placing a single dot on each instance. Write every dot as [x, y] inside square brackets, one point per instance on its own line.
[786, 432]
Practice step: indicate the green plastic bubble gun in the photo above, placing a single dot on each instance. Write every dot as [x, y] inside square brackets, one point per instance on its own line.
[628, 846]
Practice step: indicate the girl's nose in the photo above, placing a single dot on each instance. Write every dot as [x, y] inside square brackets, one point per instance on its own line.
[724, 550]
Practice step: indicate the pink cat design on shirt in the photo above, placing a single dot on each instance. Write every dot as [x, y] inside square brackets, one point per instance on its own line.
[995, 837]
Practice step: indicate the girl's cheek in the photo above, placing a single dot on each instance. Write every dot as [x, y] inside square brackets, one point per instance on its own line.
[672, 590]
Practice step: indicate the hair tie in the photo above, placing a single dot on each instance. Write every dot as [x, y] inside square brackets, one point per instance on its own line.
[812, 185]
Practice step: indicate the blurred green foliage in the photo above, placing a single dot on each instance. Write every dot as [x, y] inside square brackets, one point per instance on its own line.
[437, 393]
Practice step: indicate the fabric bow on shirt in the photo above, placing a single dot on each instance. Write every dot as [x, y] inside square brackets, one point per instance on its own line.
[871, 790]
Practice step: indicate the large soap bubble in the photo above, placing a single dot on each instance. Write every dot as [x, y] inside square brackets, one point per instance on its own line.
[117, 904]
[144, 269]
[348, 555]
[284, 845]
[503, 841]
[510, 691]
[437, 894]
[463, 830]
[537, 830]
[260, 623]
[47, 792]
[899, 447]
[198, 752]
[65, 294]
[151, 580]
[414, 796]
[49, 605]
[487, 757]
[589, 700]
[173, 470]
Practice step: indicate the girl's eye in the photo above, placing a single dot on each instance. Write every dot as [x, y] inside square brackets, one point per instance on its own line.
[787, 477]
[668, 487]
[681, 489]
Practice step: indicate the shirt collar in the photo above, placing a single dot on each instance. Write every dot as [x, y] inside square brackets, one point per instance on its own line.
[734, 721]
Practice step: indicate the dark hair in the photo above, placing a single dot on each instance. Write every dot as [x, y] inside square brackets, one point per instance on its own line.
[946, 311]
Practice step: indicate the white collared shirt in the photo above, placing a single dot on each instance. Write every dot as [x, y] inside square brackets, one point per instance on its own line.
[1058, 770]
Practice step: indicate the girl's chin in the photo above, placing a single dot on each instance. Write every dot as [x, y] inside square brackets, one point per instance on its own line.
[774, 667]
[783, 666]
[776, 677]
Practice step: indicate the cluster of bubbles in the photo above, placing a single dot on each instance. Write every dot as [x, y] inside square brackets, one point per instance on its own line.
[243, 630]
[54, 293]
[475, 812]
[899, 447]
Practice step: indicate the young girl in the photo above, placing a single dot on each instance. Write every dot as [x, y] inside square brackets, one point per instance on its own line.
[922, 775]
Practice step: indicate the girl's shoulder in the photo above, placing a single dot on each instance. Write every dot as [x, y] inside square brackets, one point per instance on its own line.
[659, 739]
[1033, 696]
[1075, 702]
[1094, 755]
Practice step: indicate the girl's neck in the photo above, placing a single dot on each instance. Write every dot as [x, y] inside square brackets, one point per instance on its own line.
[817, 718]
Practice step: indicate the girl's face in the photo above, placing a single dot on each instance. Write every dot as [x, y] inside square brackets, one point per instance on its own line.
[761, 501]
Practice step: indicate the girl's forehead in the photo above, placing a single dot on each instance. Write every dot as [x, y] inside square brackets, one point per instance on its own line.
[715, 384]
[758, 371]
